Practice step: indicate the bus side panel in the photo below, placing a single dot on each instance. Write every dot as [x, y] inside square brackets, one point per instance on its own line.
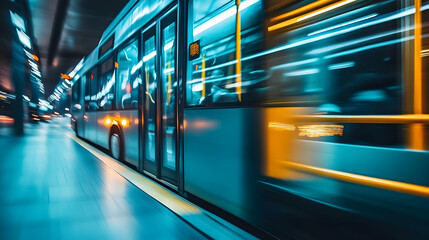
[217, 157]
[91, 126]
[103, 128]
[131, 135]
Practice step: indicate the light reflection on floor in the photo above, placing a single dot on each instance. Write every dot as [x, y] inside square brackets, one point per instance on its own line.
[52, 188]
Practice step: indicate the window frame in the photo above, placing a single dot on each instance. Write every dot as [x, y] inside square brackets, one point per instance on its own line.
[118, 49]
[101, 62]
[102, 53]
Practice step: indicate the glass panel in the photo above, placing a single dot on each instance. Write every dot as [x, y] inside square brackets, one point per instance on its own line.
[128, 77]
[169, 86]
[149, 59]
[87, 93]
[349, 56]
[76, 92]
[213, 77]
[202, 8]
[107, 83]
[340, 59]
[92, 78]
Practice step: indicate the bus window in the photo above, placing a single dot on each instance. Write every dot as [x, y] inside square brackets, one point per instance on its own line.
[349, 56]
[107, 83]
[93, 89]
[213, 78]
[76, 92]
[343, 59]
[87, 93]
[128, 77]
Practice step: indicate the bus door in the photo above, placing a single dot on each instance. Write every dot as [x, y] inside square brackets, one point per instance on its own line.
[159, 99]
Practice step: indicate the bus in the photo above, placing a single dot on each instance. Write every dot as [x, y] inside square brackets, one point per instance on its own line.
[294, 116]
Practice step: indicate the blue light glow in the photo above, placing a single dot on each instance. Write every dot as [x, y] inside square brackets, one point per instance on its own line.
[25, 40]
[341, 65]
[149, 56]
[222, 16]
[302, 72]
[293, 64]
[344, 24]
[17, 20]
[368, 47]
[384, 18]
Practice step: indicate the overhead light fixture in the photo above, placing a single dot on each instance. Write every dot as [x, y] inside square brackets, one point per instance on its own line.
[25, 40]
[309, 15]
[223, 16]
[17, 20]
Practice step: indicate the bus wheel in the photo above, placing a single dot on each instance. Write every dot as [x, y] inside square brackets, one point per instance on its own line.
[116, 146]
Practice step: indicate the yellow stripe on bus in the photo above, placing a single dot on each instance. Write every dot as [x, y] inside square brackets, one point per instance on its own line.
[401, 187]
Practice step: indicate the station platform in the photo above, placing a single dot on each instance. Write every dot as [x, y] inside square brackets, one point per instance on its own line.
[55, 186]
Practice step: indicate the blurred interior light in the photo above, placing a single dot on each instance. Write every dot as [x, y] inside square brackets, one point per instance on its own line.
[25, 40]
[302, 72]
[35, 57]
[424, 53]
[325, 9]
[372, 46]
[17, 20]
[149, 56]
[37, 73]
[299, 10]
[77, 68]
[108, 121]
[384, 18]
[344, 24]
[124, 122]
[341, 65]
[168, 45]
[168, 70]
[197, 87]
[358, 41]
[293, 64]
[309, 15]
[320, 130]
[222, 16]
[136, 67]
[281, 126]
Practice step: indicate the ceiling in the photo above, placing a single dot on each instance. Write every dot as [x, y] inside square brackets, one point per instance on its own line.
[65, 31]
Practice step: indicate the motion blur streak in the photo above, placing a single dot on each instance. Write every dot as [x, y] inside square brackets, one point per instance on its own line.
[300, 10]
[363, 180]
[309, 15]
[5, 119]
[390, 17]
[393, 119]
[344, 24]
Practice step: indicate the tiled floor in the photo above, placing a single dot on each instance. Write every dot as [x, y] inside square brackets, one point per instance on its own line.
[52, 188]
